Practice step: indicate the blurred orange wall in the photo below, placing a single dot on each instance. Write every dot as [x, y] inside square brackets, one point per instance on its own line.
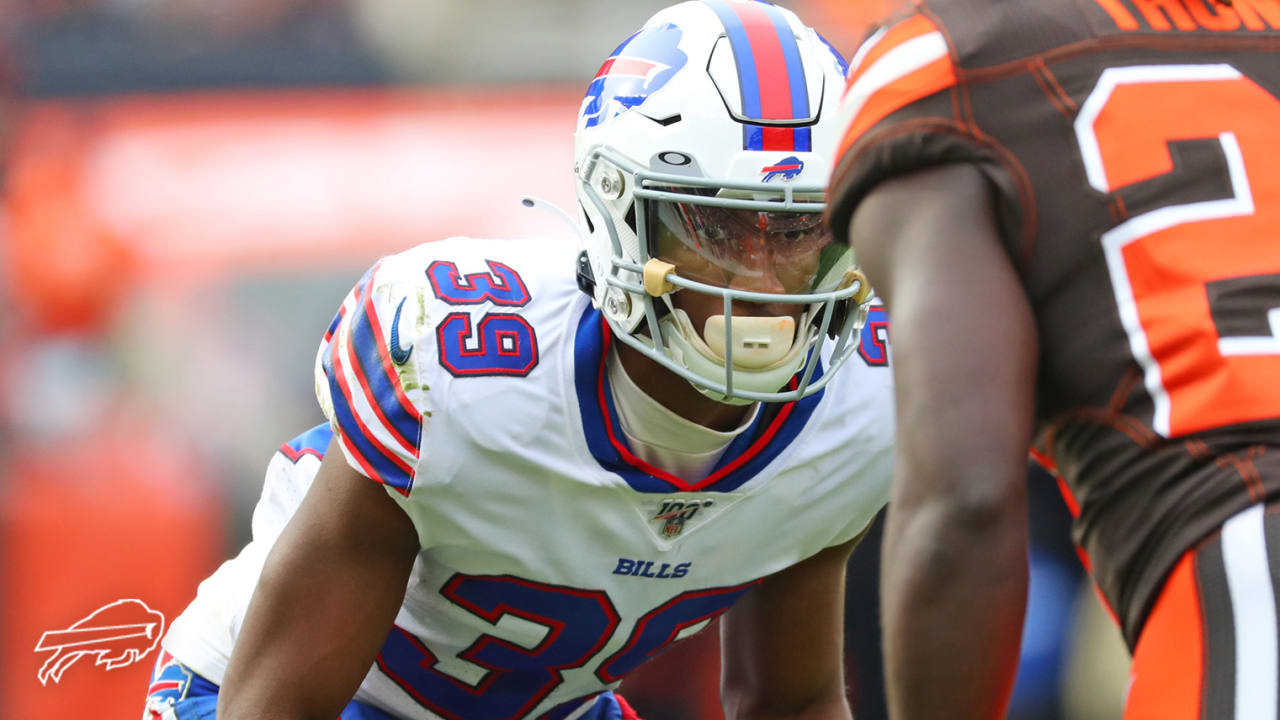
[125, 514]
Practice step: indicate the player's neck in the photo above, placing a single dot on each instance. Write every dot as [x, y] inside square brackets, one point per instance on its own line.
[677, 395]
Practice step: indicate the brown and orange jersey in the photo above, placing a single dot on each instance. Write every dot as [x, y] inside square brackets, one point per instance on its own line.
[1132, 147]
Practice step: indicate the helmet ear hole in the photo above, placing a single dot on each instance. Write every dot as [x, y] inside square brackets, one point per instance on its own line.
[591, 227]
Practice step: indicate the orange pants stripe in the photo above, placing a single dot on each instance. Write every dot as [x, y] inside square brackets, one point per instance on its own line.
[1166, 679]
[1210, 648]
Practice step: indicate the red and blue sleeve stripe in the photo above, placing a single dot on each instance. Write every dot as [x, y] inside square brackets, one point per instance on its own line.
[377, 423]
[312, 442]
[770, 74]
[377, 376]
[333, 326]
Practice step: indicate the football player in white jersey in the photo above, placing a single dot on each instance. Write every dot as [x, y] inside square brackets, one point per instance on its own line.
[547, 461]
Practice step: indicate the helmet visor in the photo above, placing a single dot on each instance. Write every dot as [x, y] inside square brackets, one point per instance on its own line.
[754, 249]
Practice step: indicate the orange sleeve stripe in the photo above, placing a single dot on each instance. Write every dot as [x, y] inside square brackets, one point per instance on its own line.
[927, 80]
[909, 29]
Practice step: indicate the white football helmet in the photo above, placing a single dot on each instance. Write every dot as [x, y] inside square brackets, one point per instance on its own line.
[697, 172]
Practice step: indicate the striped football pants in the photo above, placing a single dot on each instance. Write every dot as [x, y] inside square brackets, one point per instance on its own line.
[1208, 650]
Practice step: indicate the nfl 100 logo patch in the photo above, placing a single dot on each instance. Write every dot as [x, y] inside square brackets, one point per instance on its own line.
[673, 513]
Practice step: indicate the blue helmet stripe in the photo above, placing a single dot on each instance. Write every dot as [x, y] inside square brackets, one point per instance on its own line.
[804, 139]
[744, 58]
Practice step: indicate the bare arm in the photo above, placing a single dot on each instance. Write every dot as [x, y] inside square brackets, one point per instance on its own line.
[782, 644]
[954, 577]
[327, 598]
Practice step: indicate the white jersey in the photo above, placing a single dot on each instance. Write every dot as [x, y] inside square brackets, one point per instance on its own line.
[467, 376]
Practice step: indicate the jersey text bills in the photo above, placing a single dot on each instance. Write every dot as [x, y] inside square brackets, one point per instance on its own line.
[644, 568]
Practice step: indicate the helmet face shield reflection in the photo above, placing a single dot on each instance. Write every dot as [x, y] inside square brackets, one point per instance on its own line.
[738, 241]
[757, 249]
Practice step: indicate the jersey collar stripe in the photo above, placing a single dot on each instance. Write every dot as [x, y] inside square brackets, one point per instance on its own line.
[746, 456]
[914, 70]
[751, 451]
[596, 418]
[755, 449]
[607, 411]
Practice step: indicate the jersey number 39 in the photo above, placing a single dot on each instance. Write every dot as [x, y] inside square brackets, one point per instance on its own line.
[501, 343]
[498, 678]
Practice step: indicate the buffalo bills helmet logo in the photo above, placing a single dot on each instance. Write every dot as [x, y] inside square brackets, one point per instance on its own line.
[787, 168]
[639, 67]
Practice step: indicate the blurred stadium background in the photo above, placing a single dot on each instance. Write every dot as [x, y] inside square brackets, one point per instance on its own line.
[188, 190]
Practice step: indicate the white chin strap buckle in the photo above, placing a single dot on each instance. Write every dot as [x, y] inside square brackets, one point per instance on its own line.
[758, 342]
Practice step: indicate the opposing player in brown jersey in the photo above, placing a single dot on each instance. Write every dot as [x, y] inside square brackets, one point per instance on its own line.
[1072, 210]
